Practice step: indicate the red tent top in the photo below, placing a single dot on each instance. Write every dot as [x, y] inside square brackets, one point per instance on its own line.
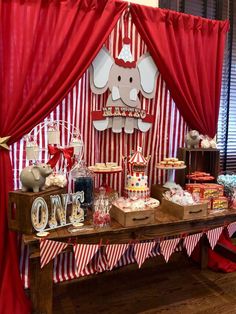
[137, 158]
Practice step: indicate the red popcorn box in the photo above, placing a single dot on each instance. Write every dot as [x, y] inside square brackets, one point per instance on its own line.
[193, 187]
[214, 186]
[220, 203]
[211, 190]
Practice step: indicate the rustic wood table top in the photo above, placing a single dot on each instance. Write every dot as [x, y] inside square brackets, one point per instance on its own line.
[165, 225]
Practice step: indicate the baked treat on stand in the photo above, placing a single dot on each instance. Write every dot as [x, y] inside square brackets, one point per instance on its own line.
[171, 164]
[106, 169]
[136, 180]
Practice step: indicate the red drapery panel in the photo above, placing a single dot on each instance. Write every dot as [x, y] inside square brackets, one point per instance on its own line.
[45, 47]
[188, 52]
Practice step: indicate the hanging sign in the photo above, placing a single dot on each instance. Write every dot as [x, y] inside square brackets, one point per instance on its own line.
[125, 79]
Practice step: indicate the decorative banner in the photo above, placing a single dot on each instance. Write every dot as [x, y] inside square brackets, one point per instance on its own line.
[213, 236]
[125, 78]
[83, 254]
[191, 241]
[142, 251]
[49, 250]
[168, 247]
[114, 253]
[231, 229]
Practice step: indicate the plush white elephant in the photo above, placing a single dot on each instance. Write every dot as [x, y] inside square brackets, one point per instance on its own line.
[124, 84]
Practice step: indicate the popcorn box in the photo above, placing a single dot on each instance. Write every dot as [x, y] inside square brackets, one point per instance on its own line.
[194, 187]
[220, 203]
[206, 190]
[128, 217]
[185, 212]
[214, 187]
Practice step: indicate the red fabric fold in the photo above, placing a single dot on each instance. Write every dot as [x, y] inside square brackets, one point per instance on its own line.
[45, 47]
[56, 153]
[188, 52]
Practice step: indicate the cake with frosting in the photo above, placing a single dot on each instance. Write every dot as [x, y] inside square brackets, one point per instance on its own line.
[137, 181]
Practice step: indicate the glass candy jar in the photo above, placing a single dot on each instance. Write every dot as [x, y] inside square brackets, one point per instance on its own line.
[101, 215]
[83, 180]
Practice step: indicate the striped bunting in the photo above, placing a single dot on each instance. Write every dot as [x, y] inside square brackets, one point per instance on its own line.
[114, 253]
[213, 236]
[231, 229]
[191, 241]
[142, 251]
[168, 247]
[83, 255]
[49, 250]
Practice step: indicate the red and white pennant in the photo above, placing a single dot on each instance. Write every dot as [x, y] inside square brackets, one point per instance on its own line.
[49, 250]
[114, 253]
[83, 255]
[231, 229]
[213, 236]
[168, 247]
[142, 251]
[191, 241]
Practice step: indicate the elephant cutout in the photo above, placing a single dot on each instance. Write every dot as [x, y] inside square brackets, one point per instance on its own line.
[124, 78]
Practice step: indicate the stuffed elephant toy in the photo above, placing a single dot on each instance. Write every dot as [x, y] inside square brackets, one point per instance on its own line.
[33, 177]
[192, 139]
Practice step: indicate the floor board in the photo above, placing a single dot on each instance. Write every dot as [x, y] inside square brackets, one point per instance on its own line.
[178, 287]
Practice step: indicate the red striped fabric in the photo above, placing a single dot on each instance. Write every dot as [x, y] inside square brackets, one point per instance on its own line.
[213, 236]
[191, 241]
[83, 255]
[114, 253]
[49, 250]
[163, 139]
[231, 228]
[142, 251]
[168, 247]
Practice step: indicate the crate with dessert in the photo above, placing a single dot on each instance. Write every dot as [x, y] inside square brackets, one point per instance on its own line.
[134, 212]
[205, 160]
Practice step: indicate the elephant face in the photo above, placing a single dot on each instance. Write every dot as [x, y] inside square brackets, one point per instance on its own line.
[124, 84]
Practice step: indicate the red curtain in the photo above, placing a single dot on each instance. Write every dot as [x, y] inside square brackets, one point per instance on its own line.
[188, 52]
[45, 47]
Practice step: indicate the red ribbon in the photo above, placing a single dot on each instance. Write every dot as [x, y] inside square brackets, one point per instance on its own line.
[56, 153]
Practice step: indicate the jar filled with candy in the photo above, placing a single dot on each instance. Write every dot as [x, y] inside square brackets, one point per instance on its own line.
[101, 215]
[84, 181]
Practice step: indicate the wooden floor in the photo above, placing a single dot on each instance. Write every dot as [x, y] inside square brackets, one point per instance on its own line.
[178, 287]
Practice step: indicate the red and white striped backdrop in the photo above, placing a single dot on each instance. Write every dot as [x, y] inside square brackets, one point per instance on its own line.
[166, 135]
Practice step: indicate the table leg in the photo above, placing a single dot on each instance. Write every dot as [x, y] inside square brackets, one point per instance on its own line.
[204, 251]
[41, 286]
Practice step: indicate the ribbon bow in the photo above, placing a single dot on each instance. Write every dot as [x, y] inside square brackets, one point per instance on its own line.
[3, 142]
[56, 153]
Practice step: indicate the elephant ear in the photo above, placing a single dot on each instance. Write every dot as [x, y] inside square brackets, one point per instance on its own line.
[35, 172]
[99, 71]
[148, 75]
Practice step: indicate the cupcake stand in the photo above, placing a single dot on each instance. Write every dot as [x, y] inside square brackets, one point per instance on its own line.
[104, 174]
[170, 172]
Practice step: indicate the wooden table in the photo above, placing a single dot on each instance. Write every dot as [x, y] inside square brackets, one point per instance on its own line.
[41, 285]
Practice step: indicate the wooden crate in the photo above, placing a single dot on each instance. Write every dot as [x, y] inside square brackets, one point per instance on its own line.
[185, 212]
[198, 159]
[157, 191]
[133, 218]
[19, 207]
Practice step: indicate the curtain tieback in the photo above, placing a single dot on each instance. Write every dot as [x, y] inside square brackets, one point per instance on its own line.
[3, 142]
